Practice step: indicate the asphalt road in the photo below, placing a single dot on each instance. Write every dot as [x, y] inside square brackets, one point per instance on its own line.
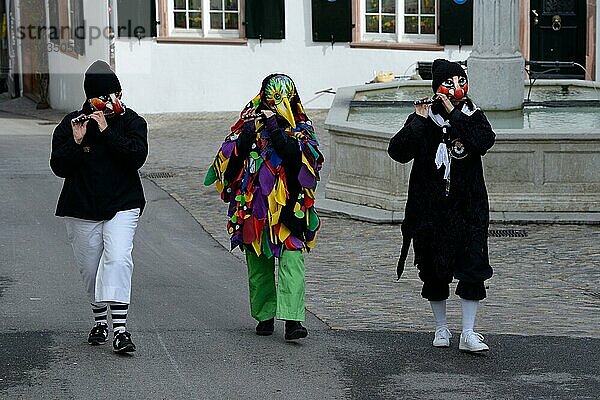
[190, 321]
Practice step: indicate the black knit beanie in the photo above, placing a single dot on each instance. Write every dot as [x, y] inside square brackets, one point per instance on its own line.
[444, 69]
[100, 80]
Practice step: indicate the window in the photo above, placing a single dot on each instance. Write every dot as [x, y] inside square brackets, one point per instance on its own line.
[207, 18]
[67, 26]
[76, 38]
[188, 14]
[380, 16]
[407, 21]
[224, 14]
[419, 17]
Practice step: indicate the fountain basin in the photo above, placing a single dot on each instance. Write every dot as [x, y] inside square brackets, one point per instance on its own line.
[543, 167]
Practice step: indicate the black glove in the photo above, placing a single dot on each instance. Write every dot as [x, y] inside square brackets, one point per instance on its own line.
[246, 138]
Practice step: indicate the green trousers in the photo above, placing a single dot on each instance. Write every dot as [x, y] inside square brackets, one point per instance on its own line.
[286, 299]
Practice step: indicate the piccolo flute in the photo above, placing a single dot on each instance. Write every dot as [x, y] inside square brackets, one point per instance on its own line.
[81, 120]
[253, 116]
[430, 100]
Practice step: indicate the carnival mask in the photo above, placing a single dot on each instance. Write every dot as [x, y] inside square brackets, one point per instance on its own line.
[455, 87]
[278, 94]
[109, 104]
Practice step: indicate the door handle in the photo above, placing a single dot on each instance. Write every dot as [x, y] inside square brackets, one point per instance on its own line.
[556, 23]
[536, 19]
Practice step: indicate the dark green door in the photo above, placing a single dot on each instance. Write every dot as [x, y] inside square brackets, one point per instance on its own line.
[558, 33]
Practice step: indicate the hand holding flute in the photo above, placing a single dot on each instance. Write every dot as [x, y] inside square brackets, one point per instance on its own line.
[79, 126]
[422, 105]
[263, 114]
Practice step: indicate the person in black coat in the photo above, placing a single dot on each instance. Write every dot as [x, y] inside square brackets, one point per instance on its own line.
[98, 151]
[447, 211]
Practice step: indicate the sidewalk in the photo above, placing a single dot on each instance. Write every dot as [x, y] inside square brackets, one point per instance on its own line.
[544, 284]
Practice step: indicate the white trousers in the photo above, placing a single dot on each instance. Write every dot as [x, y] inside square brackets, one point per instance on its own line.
[103, 253]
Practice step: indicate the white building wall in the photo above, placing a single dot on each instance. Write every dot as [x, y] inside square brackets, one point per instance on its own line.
[597, 74]
[161, 77]
[66, 71]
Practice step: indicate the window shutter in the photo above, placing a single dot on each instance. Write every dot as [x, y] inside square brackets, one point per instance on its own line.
[265, 19]
[79, 27]
[456, 22]
[54, 30]
[332, 20]
[137, 18]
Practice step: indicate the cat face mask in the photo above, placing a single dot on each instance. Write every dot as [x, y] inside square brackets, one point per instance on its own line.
[455, 87]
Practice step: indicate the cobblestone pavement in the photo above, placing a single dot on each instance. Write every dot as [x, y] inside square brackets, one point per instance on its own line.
[547, 283]
[544, 284]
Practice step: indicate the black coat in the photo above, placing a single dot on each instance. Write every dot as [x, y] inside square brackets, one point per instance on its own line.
[101, 174]
[449, 232]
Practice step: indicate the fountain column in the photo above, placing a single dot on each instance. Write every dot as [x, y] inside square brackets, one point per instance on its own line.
[496, 66]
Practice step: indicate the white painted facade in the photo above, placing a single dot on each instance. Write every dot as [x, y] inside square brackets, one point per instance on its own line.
[66, 71]
[189, 77]
[167, 77]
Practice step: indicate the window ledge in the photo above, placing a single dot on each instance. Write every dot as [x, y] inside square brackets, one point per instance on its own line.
[397, 46]
[186, 40]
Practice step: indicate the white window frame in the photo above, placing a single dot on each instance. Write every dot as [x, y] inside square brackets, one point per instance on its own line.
[206, 31]
[399, 36]
[416, 37]
[376, 37]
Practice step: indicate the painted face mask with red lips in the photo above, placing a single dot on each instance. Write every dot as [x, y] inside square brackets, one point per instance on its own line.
[455, 87]
[110, 104]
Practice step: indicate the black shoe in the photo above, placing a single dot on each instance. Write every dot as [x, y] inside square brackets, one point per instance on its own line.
[122, 343]
[294, 330]
[98, 334]
[265, 328]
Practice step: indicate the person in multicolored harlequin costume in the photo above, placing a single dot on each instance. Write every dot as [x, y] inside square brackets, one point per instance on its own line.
[267, 170]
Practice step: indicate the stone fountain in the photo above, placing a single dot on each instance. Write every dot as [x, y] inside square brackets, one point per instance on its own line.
[541, 168]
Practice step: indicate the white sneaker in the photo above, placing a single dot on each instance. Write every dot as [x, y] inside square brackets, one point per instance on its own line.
[442, 337]
[472, 342]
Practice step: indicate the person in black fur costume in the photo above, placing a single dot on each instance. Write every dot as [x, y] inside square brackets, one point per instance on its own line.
[447, 211]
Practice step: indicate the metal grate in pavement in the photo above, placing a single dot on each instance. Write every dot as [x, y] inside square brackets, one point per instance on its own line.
[595, 295]
[507, 233]
[157, 175]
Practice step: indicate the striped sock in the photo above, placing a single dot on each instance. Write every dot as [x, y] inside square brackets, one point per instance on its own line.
[100, 311]
[118, 313]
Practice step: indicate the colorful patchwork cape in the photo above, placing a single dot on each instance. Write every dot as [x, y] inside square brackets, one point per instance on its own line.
[258, 188]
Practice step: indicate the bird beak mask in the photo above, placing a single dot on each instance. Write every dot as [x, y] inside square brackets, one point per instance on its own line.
[278, 95]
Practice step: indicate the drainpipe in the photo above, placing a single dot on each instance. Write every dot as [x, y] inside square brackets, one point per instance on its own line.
[112, 36]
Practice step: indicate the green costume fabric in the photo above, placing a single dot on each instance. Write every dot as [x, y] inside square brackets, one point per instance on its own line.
[286, 299]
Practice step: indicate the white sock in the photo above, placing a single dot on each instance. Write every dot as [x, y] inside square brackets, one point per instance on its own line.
[469, 312]
[439, 314]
